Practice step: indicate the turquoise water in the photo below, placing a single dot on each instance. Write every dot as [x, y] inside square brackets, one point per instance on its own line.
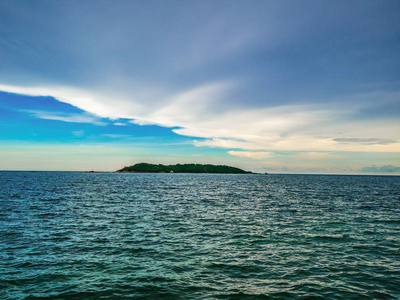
[66, 235]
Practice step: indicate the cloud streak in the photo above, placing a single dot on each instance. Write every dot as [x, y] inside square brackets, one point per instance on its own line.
[64, 117]
[370, 141]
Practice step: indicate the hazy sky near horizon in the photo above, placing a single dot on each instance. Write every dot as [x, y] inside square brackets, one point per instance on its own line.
[279, 86]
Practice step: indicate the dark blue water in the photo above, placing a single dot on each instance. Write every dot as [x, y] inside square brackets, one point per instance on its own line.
[182, 236]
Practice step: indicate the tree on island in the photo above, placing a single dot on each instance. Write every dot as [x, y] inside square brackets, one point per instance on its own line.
[182, 168]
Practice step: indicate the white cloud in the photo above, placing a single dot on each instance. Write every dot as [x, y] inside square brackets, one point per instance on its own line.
[253, 155]
[117, 136]
[142, 122]
[60, 116]
[78, 133]
[97, 103]
[186, 107]
[227, 144]
[205, 112]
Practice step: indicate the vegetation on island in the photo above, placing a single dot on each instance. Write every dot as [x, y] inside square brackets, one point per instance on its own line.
[181, 168]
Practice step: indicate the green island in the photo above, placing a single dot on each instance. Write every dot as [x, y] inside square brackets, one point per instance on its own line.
[182, 168]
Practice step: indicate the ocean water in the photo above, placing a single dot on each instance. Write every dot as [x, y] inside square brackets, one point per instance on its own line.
[71, 235]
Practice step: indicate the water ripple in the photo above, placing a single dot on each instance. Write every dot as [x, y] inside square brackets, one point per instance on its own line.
[70, 235]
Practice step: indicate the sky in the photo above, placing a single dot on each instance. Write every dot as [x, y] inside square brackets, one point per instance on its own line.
[267, 86]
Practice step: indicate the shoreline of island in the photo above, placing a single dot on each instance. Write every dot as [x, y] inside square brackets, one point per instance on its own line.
[182, 168]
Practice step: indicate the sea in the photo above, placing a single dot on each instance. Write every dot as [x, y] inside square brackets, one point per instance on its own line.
[76, 235]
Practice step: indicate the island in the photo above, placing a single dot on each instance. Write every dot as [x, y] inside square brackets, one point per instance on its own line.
[182, 168]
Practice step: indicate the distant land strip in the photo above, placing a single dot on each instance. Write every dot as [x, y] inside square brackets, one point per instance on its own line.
[182, 168]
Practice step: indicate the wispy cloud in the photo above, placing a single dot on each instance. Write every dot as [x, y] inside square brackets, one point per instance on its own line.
[93, 102]
[369, 141]
[65, 117]
[78, 133]
[251, 154]
[117, 136]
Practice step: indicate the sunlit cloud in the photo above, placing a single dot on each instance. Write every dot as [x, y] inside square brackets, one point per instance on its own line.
[250, 154]
[202, 112]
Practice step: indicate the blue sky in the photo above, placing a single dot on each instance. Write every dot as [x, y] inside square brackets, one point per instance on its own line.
[276, 86]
